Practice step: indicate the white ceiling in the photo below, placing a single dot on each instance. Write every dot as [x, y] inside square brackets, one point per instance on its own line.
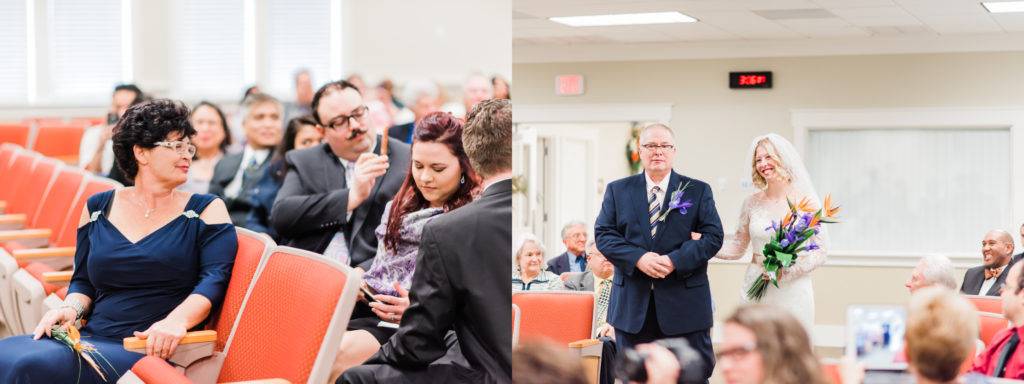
[762, 28]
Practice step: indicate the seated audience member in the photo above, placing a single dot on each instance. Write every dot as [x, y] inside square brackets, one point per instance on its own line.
[151, 261]
[475, 89]
[598, 279]
[421, 96]
[461, 285]
[544, 362]
[574, 236]
[439, 180]
[212, 140]
[766, 344]
[303, 97]
[987, 278]
[528, 274]
[96, 151]
[301, 133]
[932, 270]
[334, 194]
[235, 176]
[1018, 256]
[501, 88]
[249, 92]
[1001, 357]
[941, 329]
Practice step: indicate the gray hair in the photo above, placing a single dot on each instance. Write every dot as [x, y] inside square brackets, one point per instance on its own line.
[648, 127]
[938, 270]
[570, 224]
[528, 238]
[417, 88]
[255, 99]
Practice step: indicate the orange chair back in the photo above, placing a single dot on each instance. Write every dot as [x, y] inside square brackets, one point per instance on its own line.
[57, 200]
[562, 316]
[831, 371]
[7, 152]
[37, 270]
[153, 370]
[252, 247]
[20, 168]
[15, 134]
[68, 235]
[44, 120]
[59, 141]
[990, 324]
[282, 328]
[30, 192]
[990, 304]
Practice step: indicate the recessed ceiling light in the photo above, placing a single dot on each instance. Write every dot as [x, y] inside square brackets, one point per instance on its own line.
[624, 19]
[1004, 6]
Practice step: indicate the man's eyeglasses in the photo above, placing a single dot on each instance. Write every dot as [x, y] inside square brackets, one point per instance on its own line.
[181, 147]
[656, 147]
[341, 121]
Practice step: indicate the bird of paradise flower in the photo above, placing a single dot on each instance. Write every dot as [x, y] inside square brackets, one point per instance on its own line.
[69, 336]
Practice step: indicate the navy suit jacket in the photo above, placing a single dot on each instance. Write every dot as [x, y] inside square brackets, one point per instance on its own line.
[623, 233]
[560, 264]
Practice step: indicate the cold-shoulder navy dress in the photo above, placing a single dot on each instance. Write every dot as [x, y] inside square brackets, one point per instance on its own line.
[132, 285]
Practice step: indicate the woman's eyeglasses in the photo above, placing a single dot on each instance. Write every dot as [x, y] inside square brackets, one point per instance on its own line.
[181, 147]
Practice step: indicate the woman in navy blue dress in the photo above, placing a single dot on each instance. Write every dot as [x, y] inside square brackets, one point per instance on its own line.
[150, 261]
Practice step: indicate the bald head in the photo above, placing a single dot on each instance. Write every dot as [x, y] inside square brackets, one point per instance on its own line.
[997, 248]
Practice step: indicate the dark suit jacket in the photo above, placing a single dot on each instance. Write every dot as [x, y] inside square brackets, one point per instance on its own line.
[312, 202]
[976, 276]
[462, 282]
[401, 132]
[223, 173]
[560, 264]
[623, 233]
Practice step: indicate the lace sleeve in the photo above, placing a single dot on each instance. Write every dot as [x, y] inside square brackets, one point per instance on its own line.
[737, 247]
[808, 261]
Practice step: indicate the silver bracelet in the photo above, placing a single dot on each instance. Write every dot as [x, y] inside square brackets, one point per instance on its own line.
[75, 304]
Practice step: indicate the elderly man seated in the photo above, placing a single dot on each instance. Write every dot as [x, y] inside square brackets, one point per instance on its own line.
[932, 270]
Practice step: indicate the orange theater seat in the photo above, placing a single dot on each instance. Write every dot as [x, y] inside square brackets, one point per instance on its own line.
[562, 316]
[153, 370]
[87, 121]
[989, 324]
[59, 141]
[990, 304]
[15, 133]
[253, 249]
[44, 120]
[20, 167]
[30, 191]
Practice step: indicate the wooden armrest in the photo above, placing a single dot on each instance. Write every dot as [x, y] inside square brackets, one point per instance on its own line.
[57, 277]
[584, 343]
[68, 159]
[190, 338]
[38, 253]
[3, 206]
[21, 235]
[12, 221]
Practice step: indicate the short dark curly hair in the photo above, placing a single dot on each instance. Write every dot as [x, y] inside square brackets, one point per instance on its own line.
[147, 123]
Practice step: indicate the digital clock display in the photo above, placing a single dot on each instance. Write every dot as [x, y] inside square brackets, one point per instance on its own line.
[740, 80]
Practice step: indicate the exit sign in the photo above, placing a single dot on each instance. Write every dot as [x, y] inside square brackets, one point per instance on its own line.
[566, 85]
[741, 80]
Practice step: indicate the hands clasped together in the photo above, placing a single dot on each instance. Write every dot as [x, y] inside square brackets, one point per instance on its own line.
[659, 266]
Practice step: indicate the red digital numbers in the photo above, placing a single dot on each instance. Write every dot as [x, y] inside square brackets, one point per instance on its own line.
[753, 79]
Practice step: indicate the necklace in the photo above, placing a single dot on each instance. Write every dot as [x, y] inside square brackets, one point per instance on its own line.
[135, 199]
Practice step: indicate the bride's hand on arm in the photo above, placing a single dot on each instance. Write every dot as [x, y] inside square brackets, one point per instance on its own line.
[737, 247]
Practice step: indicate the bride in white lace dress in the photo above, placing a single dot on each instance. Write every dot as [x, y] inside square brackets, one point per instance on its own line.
[780, 174]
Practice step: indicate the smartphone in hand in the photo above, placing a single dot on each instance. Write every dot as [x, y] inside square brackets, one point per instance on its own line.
[368, 295]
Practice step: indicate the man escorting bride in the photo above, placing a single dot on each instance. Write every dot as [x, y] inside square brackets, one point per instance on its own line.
[780, 175]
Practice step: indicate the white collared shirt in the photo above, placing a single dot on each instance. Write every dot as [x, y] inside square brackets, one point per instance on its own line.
[663, 185]
[248, 154]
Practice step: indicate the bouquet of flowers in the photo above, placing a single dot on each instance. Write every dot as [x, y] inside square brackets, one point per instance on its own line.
[69, 335]
[799, 224]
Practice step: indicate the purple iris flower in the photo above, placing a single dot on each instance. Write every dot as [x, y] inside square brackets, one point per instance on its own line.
[680, 205]
[811, 246]
[774, 226]
[791, 238]
[784, 243]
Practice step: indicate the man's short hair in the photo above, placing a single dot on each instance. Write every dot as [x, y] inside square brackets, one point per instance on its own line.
[139, 97]
[938, 270]
[487, 137]
[254, 100]
[416, 89]
[941, 328]
[329, 87]
[570, 224]
[648, 127]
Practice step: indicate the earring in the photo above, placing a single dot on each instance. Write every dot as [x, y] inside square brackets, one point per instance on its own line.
[462, 180]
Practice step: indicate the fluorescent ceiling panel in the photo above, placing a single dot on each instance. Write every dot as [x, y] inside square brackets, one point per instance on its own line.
[624, 19]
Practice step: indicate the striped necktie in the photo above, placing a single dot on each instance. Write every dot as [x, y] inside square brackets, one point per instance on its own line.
[602, 300]
[654, 208]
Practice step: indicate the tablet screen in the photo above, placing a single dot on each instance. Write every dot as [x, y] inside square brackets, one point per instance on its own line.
[875, 336]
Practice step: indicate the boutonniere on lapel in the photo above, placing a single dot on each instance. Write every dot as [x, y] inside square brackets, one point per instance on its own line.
[677, 201]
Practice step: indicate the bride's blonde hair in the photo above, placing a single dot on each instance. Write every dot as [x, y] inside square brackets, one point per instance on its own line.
[780, 167]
